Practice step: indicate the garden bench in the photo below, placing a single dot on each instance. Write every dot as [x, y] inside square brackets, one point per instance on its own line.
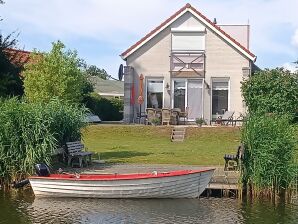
[75, 151]
[232, 162]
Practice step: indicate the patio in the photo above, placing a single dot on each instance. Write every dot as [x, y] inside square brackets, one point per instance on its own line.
[175, 116]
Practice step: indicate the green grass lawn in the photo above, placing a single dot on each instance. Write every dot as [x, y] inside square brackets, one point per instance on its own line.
[152, 145]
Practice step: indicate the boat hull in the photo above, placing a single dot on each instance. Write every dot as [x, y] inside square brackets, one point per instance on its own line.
[189, 185]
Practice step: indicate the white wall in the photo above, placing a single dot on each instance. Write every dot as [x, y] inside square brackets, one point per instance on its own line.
[222, 60]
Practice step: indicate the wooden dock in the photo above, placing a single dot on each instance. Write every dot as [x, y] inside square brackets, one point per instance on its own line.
[224, 180]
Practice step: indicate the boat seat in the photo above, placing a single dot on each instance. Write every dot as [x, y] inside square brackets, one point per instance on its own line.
[75, 150]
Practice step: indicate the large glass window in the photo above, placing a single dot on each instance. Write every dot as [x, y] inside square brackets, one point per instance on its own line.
[179, 94]
[154, 93]
[220, 96]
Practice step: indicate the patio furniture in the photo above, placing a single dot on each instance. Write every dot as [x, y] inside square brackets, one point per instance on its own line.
[75, 151]
[184, 115]
[238, 119]
[226, 118]
[232, 162]
[165, 116]
[141, 117]
[151, 114]
[175, 116]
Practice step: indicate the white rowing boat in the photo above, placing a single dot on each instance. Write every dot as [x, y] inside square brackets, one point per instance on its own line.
[174, 184]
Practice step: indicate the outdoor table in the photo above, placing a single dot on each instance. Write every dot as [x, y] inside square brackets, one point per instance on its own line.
[174, 117]
[234, 121]
[140, 116]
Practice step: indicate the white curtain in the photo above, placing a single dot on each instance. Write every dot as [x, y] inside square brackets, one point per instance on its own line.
[194, 95]
[155, 86]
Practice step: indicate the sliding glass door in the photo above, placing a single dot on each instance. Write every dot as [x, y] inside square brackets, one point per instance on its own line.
[194, 98]
[188, 93]
[179, 94]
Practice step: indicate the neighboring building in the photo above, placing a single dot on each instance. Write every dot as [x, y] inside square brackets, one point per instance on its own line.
[108, 88]
[18, 56]
[189, 61]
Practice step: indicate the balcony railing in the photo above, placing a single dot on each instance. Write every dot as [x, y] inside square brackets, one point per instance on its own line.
[188, 62]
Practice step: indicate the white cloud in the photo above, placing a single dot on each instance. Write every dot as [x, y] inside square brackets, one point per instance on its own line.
[295, 39]
[110, 19]
[119, 24]
[290, 66]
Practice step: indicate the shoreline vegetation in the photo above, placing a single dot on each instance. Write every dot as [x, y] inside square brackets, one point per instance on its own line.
[31, 132]
[269, 133]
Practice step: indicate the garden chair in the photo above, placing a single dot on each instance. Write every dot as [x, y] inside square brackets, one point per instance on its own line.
[165, 116]
[151, 114]
[184, 115]
[232, 162]
[75, 150]
[226, 118]
[175, 115]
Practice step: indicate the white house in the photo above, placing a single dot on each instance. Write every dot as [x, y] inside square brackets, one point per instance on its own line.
[189, 62]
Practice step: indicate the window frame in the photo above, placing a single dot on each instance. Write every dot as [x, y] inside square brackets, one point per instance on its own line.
[186, 80]
[220, 79]
[155, 78]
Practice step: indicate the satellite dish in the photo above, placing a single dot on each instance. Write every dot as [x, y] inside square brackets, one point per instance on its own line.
[120, 72]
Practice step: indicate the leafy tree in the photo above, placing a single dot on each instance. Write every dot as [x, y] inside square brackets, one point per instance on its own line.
[11, 83]
[271, 91]
[93, 70]
[55, 74]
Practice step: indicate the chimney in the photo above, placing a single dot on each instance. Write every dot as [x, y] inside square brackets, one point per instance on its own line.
[214, 21]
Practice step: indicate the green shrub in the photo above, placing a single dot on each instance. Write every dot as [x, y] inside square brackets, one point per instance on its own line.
[106, 109]
[29, 133]
[269, 141]
[271, 91]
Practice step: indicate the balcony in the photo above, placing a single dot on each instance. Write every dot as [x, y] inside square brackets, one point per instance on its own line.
[187, 64]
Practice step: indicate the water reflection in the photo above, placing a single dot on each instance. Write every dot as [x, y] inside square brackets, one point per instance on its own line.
[133, 211]
[26, 209]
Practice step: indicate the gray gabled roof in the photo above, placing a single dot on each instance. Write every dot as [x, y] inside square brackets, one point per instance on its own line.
[107, 86]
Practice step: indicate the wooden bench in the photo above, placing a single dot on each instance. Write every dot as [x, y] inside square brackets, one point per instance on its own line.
[232, 162]
[75, 151]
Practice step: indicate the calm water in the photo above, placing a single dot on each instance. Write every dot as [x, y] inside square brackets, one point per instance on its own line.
[24, 208]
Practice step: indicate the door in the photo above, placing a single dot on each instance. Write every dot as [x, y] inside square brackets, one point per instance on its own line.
[188, 93]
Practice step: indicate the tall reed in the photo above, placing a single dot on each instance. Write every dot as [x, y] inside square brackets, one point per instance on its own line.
[268, 166]
[29, 133]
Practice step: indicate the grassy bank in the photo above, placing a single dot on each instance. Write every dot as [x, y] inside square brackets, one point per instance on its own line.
[149, 144]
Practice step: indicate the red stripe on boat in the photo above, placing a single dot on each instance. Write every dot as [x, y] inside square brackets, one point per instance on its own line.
[97, 177]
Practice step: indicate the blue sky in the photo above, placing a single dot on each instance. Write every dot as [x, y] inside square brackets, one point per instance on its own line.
[101, 30]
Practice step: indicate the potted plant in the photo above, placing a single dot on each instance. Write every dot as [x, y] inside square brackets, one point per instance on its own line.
[155, 121]
[200, 121]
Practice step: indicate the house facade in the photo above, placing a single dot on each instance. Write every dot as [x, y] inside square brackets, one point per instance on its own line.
[191, 63]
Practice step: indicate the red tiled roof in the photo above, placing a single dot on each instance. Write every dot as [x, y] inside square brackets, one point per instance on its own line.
[223, 32]
[18, 56]
[173, 17]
